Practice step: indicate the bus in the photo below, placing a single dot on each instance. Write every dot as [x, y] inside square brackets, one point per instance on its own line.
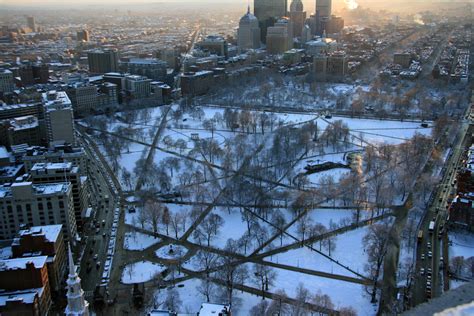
[420, 235]
[431, 227]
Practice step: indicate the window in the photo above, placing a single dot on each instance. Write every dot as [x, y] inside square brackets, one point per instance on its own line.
[28, 208]
[40, 206]
[49, 205]
[61, 204]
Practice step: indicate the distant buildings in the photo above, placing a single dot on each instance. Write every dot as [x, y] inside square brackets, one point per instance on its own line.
[268, 12]
[196, 83]
[83, 98]
[330, 66]
[248, 34]
[154, 69]
[34, 73]
[297, 17]
[324, 8]
[279, 37]
[216, 45]
[138, 87]
[6, 81]
[102, 61]
[59, 118]
[83, 36]
[31, 23]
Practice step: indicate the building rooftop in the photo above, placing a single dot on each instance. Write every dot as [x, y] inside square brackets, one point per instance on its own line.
[51, 232]
[4, 152]
[38, 189]
[24, 122]
[24, 296]
[53, 166]
[20, 263]
[54, 100]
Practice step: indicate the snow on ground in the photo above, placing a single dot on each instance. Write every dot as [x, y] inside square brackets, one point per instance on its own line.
[192, 298]
[138, 241]
[349, 252]
[141, 271]
[379, 131]
[233, 227]
[171, 252]
[341, 293]
[5, 253]
[455, 284]
[462, 244]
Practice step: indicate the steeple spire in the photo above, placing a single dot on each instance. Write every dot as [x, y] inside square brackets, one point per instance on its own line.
[72, 267]
[76, 304]
[248, 6]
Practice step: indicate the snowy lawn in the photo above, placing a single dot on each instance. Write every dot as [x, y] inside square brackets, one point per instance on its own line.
[462, 244]
[138, 241]
[141, 271]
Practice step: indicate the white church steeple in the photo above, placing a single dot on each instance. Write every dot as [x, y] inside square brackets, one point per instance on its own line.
[76, 304]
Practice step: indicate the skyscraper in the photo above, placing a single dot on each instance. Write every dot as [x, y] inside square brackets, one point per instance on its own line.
[248, 35]
[30, 21]
[59, 118]
[102, 61]
[324, 8]
[297, 17]
[268, 12]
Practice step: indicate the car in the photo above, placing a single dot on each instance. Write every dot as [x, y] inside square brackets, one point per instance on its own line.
[428, 277]
[96, 256]
[97, 265]
[104, 235]
[422, 256]
[428, 284]
[97, 231]
[422, 271]
[429, 271]
[430, 254]
[428, 245]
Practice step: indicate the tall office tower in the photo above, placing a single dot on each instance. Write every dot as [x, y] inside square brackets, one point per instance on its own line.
[297, 17]
[248, 35]
[102, 61]
[279, 38]
[83, 36]
[267, 13]
[324, 7]
[30, 21]
[6, 81]
[59, 118]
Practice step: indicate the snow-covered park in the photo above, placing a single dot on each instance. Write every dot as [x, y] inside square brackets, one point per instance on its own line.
[222, 185]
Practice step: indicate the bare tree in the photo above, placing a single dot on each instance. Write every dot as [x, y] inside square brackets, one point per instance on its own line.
[153, 210]
[206, 288]
[375, 244]
[231, 273]
[302, 297]
[173, 300]
[264, 277]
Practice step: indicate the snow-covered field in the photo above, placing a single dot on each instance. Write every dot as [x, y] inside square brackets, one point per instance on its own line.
[138, 241]
[141, 271]
[184, 162]
[462, 244]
